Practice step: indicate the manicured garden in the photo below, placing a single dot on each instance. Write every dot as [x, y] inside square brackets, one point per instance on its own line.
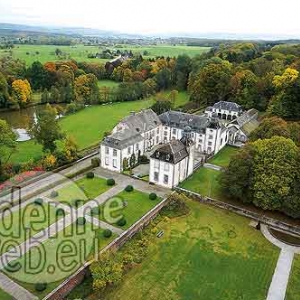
[293, 290]
[204, 182]
[222, 158]
[19, 225]
[136, 204]
[83, 189]
[78, 240]
[209, 254]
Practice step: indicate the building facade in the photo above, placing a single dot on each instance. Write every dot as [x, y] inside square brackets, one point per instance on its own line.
[224, 110]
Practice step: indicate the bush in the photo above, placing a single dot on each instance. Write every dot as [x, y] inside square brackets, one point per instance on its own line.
[40, 286]
[152, 196]
[77, 202]
[81, 221]
[107, 233]
[60, 212]
[144, 159]
[95, 211]
[54, 194]
[129, 188]
[122, 222]
[110, 182]
[90, 175]
[38, 201]
[95, 162]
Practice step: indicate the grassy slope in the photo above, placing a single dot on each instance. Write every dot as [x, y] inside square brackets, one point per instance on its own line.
[5, 296]
[12, 226]
[211, 254]
[107, 83]
[53, 254]
[223, 157]
[89, 125]
[83, 189]
[138, 204]
[80, 52]
[293, 290]
[205, 182]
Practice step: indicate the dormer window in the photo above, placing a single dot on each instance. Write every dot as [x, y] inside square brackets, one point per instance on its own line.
[168, 157]
[157, 154]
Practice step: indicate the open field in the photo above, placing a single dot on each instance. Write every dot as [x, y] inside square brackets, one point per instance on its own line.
[223, 157]
[89, 125]
[293, 290]
[107, 83]
[137, 205]
[83, 189]
[80, 238]
[209, 254]
[45, 53]
[205, 182]
[14, 227]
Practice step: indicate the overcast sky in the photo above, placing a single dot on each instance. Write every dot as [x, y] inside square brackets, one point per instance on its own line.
[160, 16]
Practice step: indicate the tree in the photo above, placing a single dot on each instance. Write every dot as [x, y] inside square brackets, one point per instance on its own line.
[46, 130]
[211, 84]
[37, 75]
[7, 144]
[21, 90]
[183, 67]
[86, 89]
[4, 95]
[45, 96]
[106, 271]
[132, 161]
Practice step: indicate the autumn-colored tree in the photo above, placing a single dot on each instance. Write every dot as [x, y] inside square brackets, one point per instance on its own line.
[21, 91]
[86, 89]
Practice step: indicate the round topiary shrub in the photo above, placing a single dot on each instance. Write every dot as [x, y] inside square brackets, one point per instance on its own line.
[129, 188]
[38, 201]
[95, 211]
[90, 175]
[81, 221]
[122, 222]
[40, 286]
[110, 182]
[77, 202]
[107, 233]
[95, 162]
[54, 194]
[60, 212]
[152, 196]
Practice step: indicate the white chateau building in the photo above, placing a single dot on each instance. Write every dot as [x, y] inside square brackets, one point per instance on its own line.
[175, 137]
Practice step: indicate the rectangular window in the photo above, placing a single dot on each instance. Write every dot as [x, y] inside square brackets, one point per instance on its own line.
[106, 150]
[155, 176]
[166, 133]
[129, 150]
[137, 147]
[157, 130]
[209, 143]
[210, 136]
[114, 163]
[167, 167]
[166, 179]
[106, 161]
[115, 152]
[200, 141]
[174, 131]
[157, 140]
[156, 164]
[221, 141]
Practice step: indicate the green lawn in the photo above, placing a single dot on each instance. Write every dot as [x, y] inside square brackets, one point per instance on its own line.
[45, 53]
[83, 189]
[293, 290]
[79, 243]
[222, 158]
[13, 227]
[137, 205]
[107, 83]
[209, 254]
[205, 182]
[5, 296]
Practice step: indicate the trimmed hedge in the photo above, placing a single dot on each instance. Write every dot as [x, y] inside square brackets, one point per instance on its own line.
[81, 221]
[54, 194]
[40, 286]
[90, 175]
[38, 201]
[60, 212]
[76, 202]
[107, 233]
[129, 188]
[110, 182]
[13, 267]
[95, 162]
[95, 211]
[122, 222]
[152, 196]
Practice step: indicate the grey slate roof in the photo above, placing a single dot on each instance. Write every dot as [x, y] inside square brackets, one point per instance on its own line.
[122, 139]
[195, 122]
[231, 106]
[172, 152]
[142, 121]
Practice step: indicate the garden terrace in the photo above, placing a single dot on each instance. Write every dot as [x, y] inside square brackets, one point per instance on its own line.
[223, 157]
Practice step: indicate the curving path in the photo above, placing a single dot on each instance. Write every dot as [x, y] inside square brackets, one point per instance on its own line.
[280, 279]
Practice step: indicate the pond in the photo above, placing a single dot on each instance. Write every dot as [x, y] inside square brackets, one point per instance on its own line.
[21, 120]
